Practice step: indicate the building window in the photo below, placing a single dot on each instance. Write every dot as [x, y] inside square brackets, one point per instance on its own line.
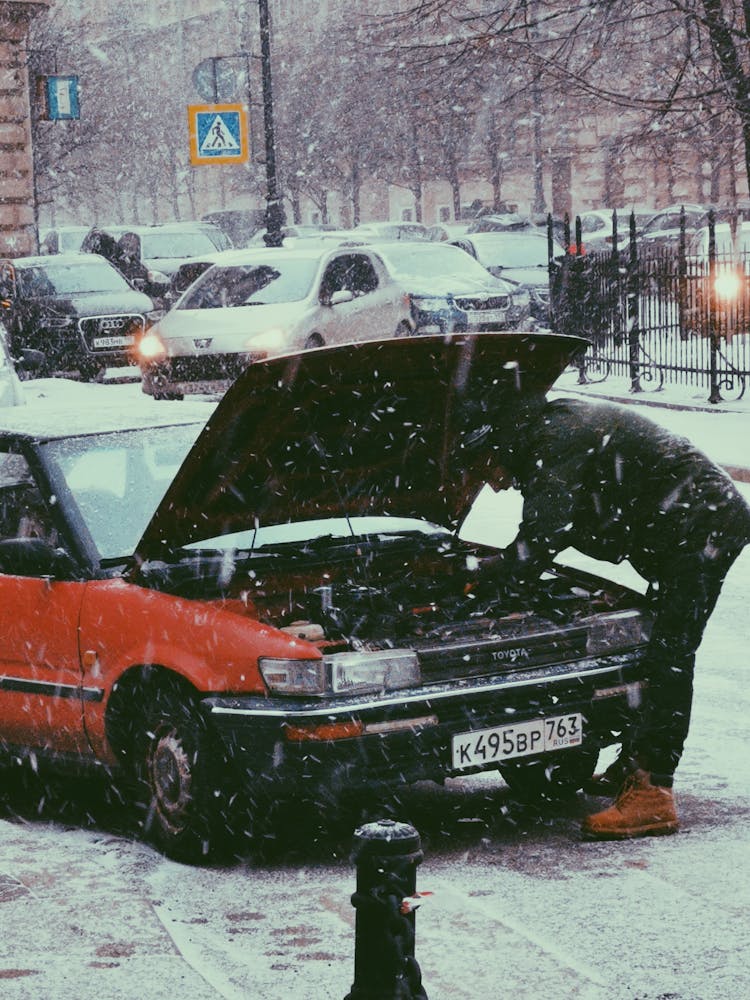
[444, 213]
[407, 215]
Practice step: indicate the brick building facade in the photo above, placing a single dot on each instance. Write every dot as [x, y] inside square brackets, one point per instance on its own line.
[17, 222]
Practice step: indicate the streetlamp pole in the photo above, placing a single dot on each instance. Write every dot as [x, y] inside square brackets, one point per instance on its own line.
[274, 209]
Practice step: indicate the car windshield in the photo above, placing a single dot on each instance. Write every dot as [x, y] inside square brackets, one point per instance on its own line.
[512, 251]
[117, 480]
[429, 260]
[188, 243]
[224, 287]
[90, 275]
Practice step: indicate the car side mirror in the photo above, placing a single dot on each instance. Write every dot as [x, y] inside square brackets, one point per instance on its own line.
[35, 557]
[343, 295]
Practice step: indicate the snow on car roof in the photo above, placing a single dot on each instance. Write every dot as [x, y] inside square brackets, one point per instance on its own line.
[63, 420]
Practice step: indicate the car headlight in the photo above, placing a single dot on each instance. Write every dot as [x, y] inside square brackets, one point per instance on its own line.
[58, 322]
[369, 672]
[269, 340]
[286, 676]
[617, 632]
[520, 299]
[426, 304]
[342, 673]
[151, 347]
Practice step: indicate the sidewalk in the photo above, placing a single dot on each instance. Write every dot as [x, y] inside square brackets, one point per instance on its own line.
[721, 430]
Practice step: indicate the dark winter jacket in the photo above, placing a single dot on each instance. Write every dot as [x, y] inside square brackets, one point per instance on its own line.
[613, 485]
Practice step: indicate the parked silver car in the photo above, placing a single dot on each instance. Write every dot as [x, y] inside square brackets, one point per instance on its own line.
[259, 303]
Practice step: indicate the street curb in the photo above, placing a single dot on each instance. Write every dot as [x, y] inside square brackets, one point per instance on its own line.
[659, 404]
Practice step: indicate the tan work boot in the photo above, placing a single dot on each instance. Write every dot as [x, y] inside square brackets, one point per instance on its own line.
[640, 810]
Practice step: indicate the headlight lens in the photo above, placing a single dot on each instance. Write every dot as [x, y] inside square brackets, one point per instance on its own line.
[293, 676]
[381, 670]
[617, 632]
[58, 322]
[342, 673]
[270, 340]
[429, 304]
[151, 347]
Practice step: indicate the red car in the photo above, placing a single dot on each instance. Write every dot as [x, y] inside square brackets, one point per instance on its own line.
[280, 606]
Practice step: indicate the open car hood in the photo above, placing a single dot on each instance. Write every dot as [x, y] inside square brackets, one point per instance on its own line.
[366, 428]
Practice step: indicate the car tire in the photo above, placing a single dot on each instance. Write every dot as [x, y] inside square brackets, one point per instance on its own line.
[180, 772]
[313, 341]
[165, 394]
[555, 777]
[91, 371]
[403, 330]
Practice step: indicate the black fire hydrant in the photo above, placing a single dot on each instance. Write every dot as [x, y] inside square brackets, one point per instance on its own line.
[386, 854]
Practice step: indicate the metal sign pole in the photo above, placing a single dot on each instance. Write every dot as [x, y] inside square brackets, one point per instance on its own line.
[274, 211]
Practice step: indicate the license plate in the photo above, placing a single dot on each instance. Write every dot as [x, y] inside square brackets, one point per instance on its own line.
[202, 387]
[113, 341]
[492, 746]
[486, 316]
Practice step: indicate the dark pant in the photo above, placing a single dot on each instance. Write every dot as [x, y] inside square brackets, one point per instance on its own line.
[684, 598]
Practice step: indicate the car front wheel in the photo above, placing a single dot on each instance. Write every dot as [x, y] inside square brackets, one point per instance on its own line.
[181, 775]
[403, 330]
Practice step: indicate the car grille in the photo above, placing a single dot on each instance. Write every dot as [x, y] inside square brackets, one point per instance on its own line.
[470, 304]
[491, 656]
[208, 367]
[104, 334]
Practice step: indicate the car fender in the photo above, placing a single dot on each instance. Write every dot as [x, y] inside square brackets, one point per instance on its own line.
[124, 627]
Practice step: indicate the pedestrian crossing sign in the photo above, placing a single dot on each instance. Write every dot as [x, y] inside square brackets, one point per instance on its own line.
[218, 133]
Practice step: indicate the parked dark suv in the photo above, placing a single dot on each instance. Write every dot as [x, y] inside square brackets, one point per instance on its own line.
[76, 309]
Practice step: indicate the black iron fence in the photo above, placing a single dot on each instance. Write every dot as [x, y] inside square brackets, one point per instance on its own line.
[659, 313]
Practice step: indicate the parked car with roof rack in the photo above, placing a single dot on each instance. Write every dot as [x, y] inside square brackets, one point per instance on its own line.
[75, 310]
[274, 604]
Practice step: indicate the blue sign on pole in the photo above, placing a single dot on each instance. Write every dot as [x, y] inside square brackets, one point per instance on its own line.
[62, 97]
[218, 133]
